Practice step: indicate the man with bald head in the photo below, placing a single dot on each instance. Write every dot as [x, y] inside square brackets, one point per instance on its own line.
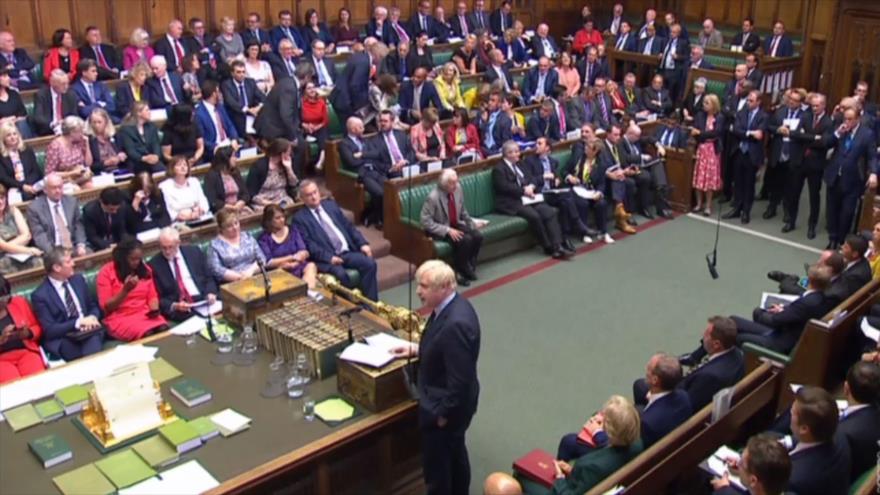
[182, 276]
[55, 219]
[540, 81]
[52, 103]
[17, 61]
[165, 88]
[172, 46]
[709, 36]
[543, 45]
[665, 406]
[501, 484]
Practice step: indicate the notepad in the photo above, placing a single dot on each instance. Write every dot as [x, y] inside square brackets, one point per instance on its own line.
[190, 478]
[717, 464]
[229, 422]
[769, 299]
[22, 417]
[386, 341]
[366, 354]
[125, 468]
[84, 480]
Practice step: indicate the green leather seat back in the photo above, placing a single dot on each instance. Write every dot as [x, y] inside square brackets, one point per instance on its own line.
[716, 88]
[335, 127]
[721, 62]
[41, 159]
[442, 57]
[29, 106]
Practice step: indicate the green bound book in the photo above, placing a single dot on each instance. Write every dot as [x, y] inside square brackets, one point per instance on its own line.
[50, 450]
[156, 452]
[162, 371]
[125, 468]
[181, 436]
[49, 410]
[205, 427]
[22, 417]
[190, 391]
[84, 480]
[72, 398]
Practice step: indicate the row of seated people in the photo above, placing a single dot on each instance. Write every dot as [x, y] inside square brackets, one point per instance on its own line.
[135, 299]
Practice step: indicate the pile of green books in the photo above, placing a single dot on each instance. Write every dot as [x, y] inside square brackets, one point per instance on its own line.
[51, 450]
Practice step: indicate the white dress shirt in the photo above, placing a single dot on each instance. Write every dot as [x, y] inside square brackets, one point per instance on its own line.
[188, 281]
[321, 215]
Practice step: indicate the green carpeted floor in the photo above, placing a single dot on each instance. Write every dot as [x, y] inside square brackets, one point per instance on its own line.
[556, 344]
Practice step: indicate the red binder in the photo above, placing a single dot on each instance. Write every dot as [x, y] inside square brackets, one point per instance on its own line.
[538, 466]
[585, 436]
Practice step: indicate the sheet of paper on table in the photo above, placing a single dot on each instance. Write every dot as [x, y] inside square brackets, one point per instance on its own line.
[190, 478]
[129, 400]
[366, 354]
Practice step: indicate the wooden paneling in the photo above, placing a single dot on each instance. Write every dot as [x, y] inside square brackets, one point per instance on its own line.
[127, 17]
[53, 14]
[18, 17]
[221, 9]
[194, 8]
[92, 13]
[159, 14]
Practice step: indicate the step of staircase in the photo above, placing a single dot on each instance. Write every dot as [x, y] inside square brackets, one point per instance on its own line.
[393, 271]
[378, 243]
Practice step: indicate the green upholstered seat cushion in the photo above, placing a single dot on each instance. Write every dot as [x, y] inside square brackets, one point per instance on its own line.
[500, 227]
[716, 88]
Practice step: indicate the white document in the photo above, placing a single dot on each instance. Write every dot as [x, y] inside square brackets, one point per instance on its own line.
[103, 180]
[792, 124]
[869, 331]
[190, 478]
[842, 404]
[343, 49]
[532, 63]
[20, 257]
[249, 124]
[585, 193]
[435, 166]
[454, 39]
[795, 387]
[311, 139]
[718, 465]
[129, 400]
[248, 152]
[366, 354]
[193, 324]
[480, 222]
[158, 115]
[204, 310]
[410, 171]
[769, 299]
[14, 196]
[230, 420]
[573, 135]
[149, 235]
[386, 342]
[526, 201]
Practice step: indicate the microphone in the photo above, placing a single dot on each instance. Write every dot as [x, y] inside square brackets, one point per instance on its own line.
[710, 261]
[267, 284]
[347, 313]
[712, 258]
[210, 327]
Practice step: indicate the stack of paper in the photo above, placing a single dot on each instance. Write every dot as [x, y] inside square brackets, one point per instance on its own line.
[87, 479]
[366, 354]
[125, 468]
[189, 478]
[230, 422]
[386, 341]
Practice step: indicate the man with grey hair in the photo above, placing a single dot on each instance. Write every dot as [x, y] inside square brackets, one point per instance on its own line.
[448, 387]
[515, 194]
[17, 61]
[165, 88]
[693, 105]
[445, 217]
[55, 219]
[182, 276]
[52, 103]
[172, 46]
[664, 406]
[709, 36]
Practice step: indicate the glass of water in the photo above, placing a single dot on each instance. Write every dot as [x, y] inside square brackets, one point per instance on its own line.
[224, 343]
[308, 408]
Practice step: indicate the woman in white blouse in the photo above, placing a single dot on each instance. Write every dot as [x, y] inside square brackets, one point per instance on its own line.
[184, 198]
[258, 70]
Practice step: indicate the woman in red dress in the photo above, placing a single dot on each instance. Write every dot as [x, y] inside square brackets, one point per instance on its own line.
[19, 336]
[708, 127]
[127, 294]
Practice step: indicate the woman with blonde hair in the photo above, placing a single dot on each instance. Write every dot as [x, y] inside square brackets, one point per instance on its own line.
[708, 126]
[448, 86]
[107, 155]
[568, 75]
[228, 42]
[138, 49]
[427, 137]
[69, 154]
[134, 91]
[18, 163]
[15, 235]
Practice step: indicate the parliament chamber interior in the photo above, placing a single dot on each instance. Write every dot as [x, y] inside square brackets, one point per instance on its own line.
[404, 247]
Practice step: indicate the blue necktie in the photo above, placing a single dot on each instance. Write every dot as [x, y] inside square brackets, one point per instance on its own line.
[242, 95]
[490, 139]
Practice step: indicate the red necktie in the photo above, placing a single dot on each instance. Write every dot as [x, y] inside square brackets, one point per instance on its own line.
[184, 294]
[179, 51]
[101, 60]
[221, 132]
[453, 214]
[562, 127]
[168, 90]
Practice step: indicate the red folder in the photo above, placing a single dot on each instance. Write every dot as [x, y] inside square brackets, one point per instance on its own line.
[538, 466]
[585, 436]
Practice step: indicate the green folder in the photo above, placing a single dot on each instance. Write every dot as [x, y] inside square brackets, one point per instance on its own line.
[72, 395]
[205, 427]
[125, 468]
[49, 410]
[86, 480]
[162, 371]
[22, 417]
[156, 452]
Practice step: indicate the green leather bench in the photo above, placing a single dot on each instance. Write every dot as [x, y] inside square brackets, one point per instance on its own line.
[723, 63]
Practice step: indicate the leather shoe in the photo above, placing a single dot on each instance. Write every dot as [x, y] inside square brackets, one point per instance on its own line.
[462, 280]
[811, 232]
[559, 254]
[775, 275]
[632, 221]
[769, 213]
[745, 218]
[665, 213]
[470, 275]
[567, 246]
[732, 214]
[787, 228]
[647, 214]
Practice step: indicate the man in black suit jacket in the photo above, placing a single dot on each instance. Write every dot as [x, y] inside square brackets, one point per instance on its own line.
[860, 421]
[172, 46]
[360, 155]
[448, 387]
[749, 126]
[387, 153]
[104, 219]
[544, 172]
[668, 135]
[334, 243]
[673, 62]
[494, 126]
[279, 117]
[411, 105]
[603, 115]
[283, 63]
[461, 22]
[857, 272]
[480, 17]
[652, 44]
[651, 181]
[352, 93]
[543, 123]
[254, 33]
[787, 129]
[590, 67]
[241, 97]
[820, 462]
[747, 39]
[200, 41]
[664, 406]
[753, 73]
[323, 68]
[512, 183]
[165, 88]
[779, 327]
[543, 44]
[46, 118]
[423, 21]
[502, 19]
[104, 54]
[656, 99]
[182, 276]
[18, 62]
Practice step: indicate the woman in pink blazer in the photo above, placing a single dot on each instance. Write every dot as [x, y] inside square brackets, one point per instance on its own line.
[138, 50]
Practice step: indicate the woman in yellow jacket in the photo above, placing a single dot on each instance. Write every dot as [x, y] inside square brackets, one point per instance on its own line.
[873, 254]
[449, 88]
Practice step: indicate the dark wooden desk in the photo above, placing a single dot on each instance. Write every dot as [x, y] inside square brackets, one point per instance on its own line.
[374, 453]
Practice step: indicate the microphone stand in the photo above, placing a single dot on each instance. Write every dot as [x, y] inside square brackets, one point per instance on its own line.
[347, 314]
[267, 284]
[712, 258]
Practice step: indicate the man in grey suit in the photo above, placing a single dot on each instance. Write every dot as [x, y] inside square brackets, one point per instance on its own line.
[444, 216]
[56, 219]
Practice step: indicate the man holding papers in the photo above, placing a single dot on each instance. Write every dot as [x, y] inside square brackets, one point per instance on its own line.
[763, 468]
[182, 277]
[447, 378]
[514, 187]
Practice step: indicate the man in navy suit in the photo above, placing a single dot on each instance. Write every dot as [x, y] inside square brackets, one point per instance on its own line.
[543, 45]
[494, 126]
[778, 45]
[626, 39]
[697, 61]
[241, 97]
[416, 95]
[763, 468]
[673, 62]
[352, 92]
[105, 55]
[664, 405]
[779, 327]
[64, 306]
[211, 117]
[656, 99]
[543, 123]
[461, 22]
[854, 148]
[540, 82]
[748, 40]
[104, 219]
[334, 243]
[651, 43]
[590, 67]
[283, 63]
[480, 18]
[381, 28]
[391, 150]
[668, 135]
[182, 276]
[860, 421]
[502, 19]
[165, 88]
[286, 30]
[323, 68]
[254, 33]
[749, 127]
[18, 62]
[172, 46]
[787, 129]
[542, 168]
[362, 156]
[423, 21]
[448, 387]
[820, 462]
[500, 70]
[92, 93]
